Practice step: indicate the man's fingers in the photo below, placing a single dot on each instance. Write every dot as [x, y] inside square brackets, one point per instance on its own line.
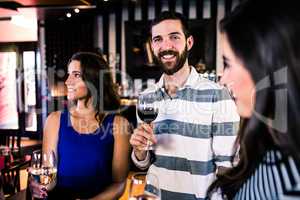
[142, 137]
[146, 131]
[138, 142]
[138, 139]
[147, 128]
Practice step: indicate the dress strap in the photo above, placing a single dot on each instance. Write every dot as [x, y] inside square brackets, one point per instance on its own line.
[64, 118]
[108, 120]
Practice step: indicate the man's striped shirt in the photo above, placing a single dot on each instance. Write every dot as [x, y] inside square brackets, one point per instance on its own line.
[196, 131]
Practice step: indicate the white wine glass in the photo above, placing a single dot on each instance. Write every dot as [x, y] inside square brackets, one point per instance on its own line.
[49, 170]
[43, 168]
[144, 186]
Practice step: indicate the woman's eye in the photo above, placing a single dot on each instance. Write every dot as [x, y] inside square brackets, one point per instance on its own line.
[77, 75]
[225, 64]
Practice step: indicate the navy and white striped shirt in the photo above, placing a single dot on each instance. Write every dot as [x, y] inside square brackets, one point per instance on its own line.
[276, 178]
[196, 131]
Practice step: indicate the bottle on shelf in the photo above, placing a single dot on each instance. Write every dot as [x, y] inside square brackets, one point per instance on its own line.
[212, 76]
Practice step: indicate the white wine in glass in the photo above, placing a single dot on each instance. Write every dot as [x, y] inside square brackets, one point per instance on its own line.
[43, 168]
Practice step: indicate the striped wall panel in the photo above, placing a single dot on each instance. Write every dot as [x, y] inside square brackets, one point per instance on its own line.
[111, 26]
[112, 54]
[219, 59]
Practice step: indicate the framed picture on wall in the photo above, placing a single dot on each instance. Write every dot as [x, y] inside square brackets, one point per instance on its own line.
[20, 101]
[8, 91]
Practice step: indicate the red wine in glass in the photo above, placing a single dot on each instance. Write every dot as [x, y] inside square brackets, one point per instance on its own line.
[148, 114]
[147, 111]
[147, 108]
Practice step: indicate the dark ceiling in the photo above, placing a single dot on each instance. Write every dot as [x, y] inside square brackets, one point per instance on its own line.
[45, 8]
[45, 3]
[51, 9]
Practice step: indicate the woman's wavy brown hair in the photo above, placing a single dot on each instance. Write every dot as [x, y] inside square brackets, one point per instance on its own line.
[98, 79]
[264, 35]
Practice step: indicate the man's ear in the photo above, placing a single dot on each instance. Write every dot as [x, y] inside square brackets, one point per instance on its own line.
[190, 42]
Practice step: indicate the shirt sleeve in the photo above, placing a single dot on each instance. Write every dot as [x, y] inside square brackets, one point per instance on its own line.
[225, 125]
[141, 164]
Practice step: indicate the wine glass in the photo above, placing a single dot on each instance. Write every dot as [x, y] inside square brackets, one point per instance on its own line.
[144, 186]
[147, 110]
[43, 168]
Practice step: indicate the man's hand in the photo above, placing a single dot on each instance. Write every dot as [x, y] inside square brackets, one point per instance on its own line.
[140, 139]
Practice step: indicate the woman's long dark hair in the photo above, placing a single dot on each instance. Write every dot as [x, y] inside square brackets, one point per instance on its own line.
[97, 77]
[264, 35]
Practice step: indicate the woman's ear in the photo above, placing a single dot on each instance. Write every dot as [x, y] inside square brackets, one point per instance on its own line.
[190, 42]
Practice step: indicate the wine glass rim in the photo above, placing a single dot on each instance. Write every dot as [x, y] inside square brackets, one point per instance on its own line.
[142, 174]
[137, 180]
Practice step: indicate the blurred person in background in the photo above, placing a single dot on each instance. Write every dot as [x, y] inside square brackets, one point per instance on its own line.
[261, 51]
[90, 141]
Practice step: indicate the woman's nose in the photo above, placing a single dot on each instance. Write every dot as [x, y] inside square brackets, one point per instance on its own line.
[67, 80]
[225, 78]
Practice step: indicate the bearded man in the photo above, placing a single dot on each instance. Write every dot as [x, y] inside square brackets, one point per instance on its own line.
[194, 132]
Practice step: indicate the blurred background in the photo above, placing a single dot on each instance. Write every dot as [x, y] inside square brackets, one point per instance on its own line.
[37, 37]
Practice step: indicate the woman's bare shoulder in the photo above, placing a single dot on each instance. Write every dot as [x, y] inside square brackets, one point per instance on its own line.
[55, 114]
[120, 119]
[53, 117]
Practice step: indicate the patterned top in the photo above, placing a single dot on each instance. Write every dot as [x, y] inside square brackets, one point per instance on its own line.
[195, 130]
[277, 177]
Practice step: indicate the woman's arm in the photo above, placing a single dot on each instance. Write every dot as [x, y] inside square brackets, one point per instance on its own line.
[50, 134]
[50, 138]
[120, 164]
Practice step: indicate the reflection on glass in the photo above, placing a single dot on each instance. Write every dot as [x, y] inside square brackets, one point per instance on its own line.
[30, 90]
[8, 91]
[144, 186]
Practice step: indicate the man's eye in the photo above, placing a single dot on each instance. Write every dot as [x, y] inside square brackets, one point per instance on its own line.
[156, 40]
[174, 37]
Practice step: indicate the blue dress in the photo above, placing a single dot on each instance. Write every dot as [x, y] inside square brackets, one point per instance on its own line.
[84, 160]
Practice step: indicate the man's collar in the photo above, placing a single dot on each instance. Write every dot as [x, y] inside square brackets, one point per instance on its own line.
[190, 82]
[192, 79]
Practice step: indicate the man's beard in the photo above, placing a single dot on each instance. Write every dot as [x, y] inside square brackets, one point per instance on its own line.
[180, 61]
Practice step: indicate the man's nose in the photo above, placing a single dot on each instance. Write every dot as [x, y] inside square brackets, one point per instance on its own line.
[167, 44]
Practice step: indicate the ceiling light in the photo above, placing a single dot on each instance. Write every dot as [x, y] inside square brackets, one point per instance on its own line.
[76, 10]
[68, 15]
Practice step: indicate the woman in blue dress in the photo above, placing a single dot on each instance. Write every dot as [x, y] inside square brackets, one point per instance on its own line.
[90, 140]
